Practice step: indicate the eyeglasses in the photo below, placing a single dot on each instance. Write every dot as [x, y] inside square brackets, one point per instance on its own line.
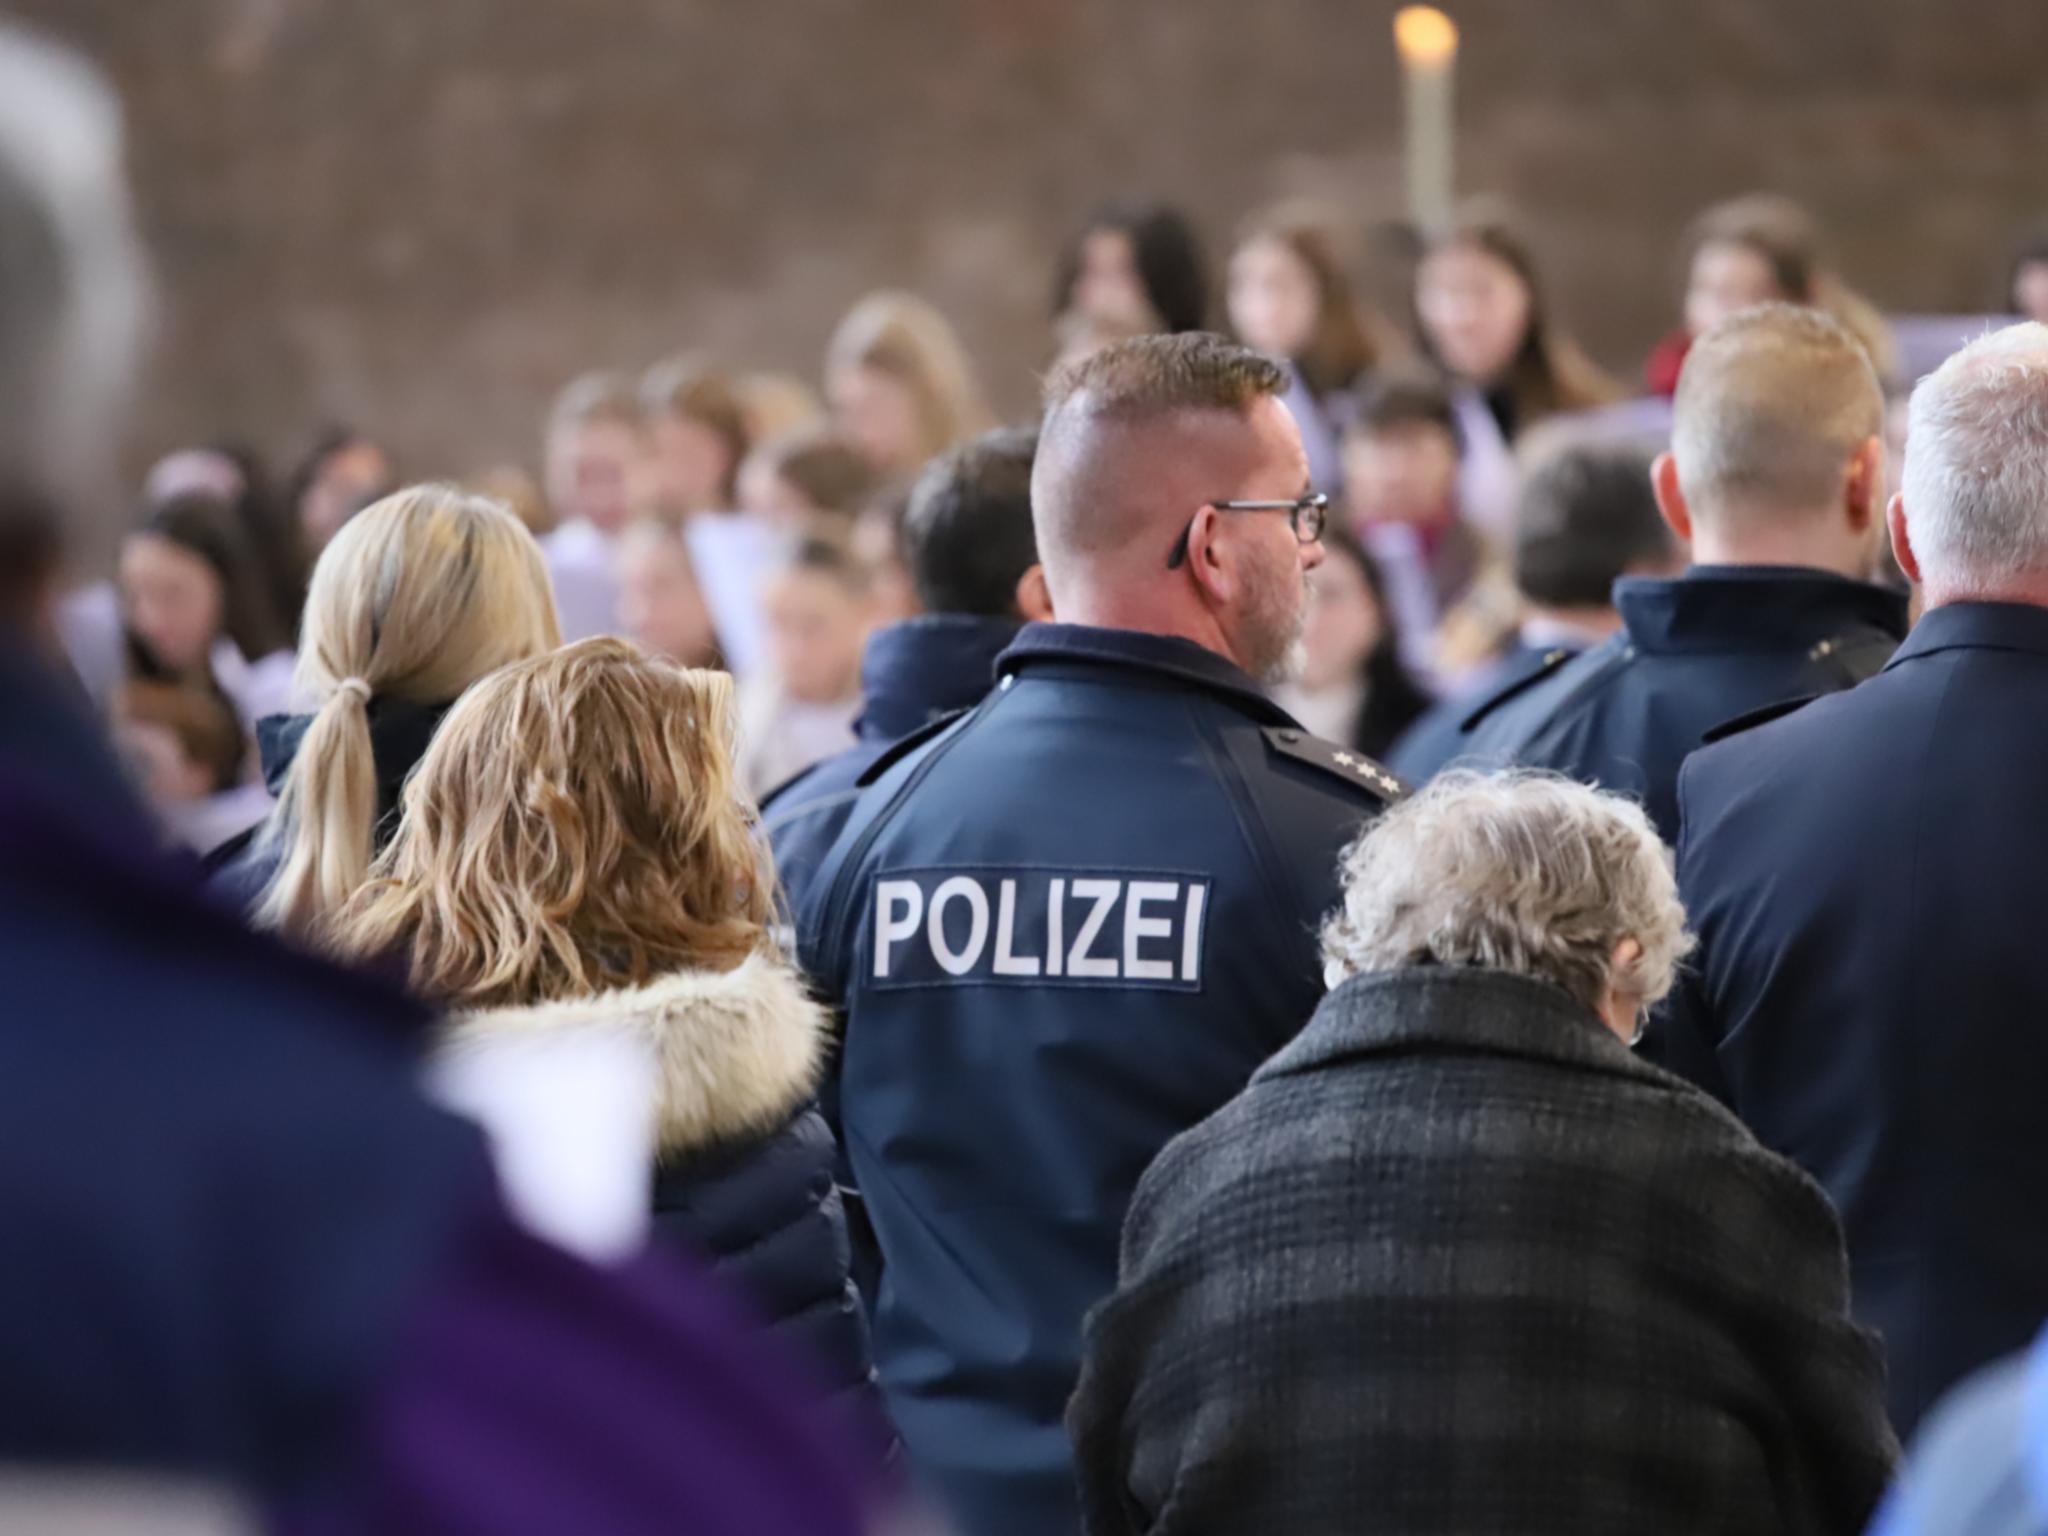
[1308, 516]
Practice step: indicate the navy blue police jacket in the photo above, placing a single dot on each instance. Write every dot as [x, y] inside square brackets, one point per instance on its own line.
[1062, 929]
[911, 674]
[1694, 652]
[1434, 741]
[1868, 877]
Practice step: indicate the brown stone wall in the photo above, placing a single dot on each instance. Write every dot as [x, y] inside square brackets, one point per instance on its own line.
[421, 215]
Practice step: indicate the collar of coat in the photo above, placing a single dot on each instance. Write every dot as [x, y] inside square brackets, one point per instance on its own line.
[737, 1052]
[1451, 1008]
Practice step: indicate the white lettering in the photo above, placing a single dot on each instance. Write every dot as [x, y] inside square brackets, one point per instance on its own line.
[1104, 894]
[908, 902]
[1137, 927]
[958, 962]
[1191, 934]
[1056, 928]
[1007, 963]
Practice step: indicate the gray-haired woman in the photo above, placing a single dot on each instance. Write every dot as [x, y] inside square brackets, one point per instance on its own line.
[1457, 1261]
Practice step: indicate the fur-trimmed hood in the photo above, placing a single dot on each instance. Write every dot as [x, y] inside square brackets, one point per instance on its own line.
[736, 1052]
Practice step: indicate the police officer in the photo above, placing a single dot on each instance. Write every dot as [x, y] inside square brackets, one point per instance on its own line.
[1867, 876]
[1070, 925]
[1776, 476]
[1584, 518]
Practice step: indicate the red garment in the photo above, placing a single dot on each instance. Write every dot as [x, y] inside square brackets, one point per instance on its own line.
[1660, 369]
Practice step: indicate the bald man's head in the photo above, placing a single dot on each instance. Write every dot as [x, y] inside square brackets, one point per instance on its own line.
[1773, 403]
[1134, 431]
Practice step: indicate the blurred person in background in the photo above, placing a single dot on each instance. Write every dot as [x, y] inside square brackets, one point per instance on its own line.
[774, 403]
[877, 543]
[800, 708]
[341, 474]
[597, 474]
[1458, 1258]
[1134, 268]
[1775, 478]
[1586, 517]
[1762, 249]
[2026, 279]
[973, 563]
[186, 749]
[576, 855]
[1352, 687]
[194, 608]
[413, 600]
[814, 475]
[1401, 452]
[212, 1147]
[1482, 315]
[233, 473]
[1290, 297]
[697, 435]
[661, 606]
[901, 385]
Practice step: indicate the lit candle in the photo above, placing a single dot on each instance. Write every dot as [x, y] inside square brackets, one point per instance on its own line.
[1428, 44]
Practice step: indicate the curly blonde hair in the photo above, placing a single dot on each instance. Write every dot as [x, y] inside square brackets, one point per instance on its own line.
[577, 826]
[1521, 871]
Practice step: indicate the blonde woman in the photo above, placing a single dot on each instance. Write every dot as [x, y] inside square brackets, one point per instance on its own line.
[417, 597]
[901, 384]
[576, 857]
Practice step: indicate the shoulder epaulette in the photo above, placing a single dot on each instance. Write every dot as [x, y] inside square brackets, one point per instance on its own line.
[1352, 767]
[898, 750]
[1521, 685]
[1754, 718]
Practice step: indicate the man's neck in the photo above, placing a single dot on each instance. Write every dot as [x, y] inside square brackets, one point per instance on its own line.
[2030, 590]
[1175, 621]
[1789, 551]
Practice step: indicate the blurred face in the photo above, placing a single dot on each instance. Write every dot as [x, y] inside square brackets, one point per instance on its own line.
[1727, 277]
[691, 464]
[874, 546]
[878, 411]
[349, 480]
[661, 604]
[157, 758]
[1344, 624]
[815, 630]
[2030, 290]
[1273, 298]
[172, 600]
[1476, 310]
[594, 472]
[1108, 286]
[768, 496]
[1400, 474]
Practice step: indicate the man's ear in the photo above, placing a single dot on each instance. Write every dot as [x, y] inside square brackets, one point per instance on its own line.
[1863, 492]
[1211, 561]
[1670, 498]
[1034, 597]
[1902, 541]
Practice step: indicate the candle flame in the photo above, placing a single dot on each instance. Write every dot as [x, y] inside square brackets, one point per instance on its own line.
[1426, 37]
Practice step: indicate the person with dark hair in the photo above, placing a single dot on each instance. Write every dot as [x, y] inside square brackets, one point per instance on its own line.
[696, 435]
[1483, 316]
[1586, 518]
[1353, 686]
[1134, 263]
[1068, 924]
[1776, 478]
[186, 750]
[342, 473]
[194, 608]
[1290, 297]
[973, 564]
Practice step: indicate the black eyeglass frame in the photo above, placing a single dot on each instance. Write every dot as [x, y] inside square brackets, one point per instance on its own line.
[1308, 516]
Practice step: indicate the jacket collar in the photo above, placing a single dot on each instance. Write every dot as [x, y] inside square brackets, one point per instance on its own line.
[1976, 626]
[736, 1052]
[916, 671]
[1751, 608]
[1133, 650]
[1445, 1008]
[400, 732]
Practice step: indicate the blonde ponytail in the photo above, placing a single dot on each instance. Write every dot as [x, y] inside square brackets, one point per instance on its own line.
[416, 598]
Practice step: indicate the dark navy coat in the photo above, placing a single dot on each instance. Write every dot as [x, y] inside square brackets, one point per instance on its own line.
[1869, 879]
[1694, 652]
[911, 674]
[1063, 929]
[1434, 741]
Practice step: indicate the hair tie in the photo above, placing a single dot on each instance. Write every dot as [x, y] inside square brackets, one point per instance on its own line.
[355, 687]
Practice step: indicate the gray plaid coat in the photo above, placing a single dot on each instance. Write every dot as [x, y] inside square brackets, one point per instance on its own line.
[1456, 1261]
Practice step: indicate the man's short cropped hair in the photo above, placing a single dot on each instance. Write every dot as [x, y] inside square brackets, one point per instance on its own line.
[1151, 376]
[1585, 516]
[967, 537]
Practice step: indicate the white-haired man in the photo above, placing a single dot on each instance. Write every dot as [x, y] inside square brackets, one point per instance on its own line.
[1867, 876]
